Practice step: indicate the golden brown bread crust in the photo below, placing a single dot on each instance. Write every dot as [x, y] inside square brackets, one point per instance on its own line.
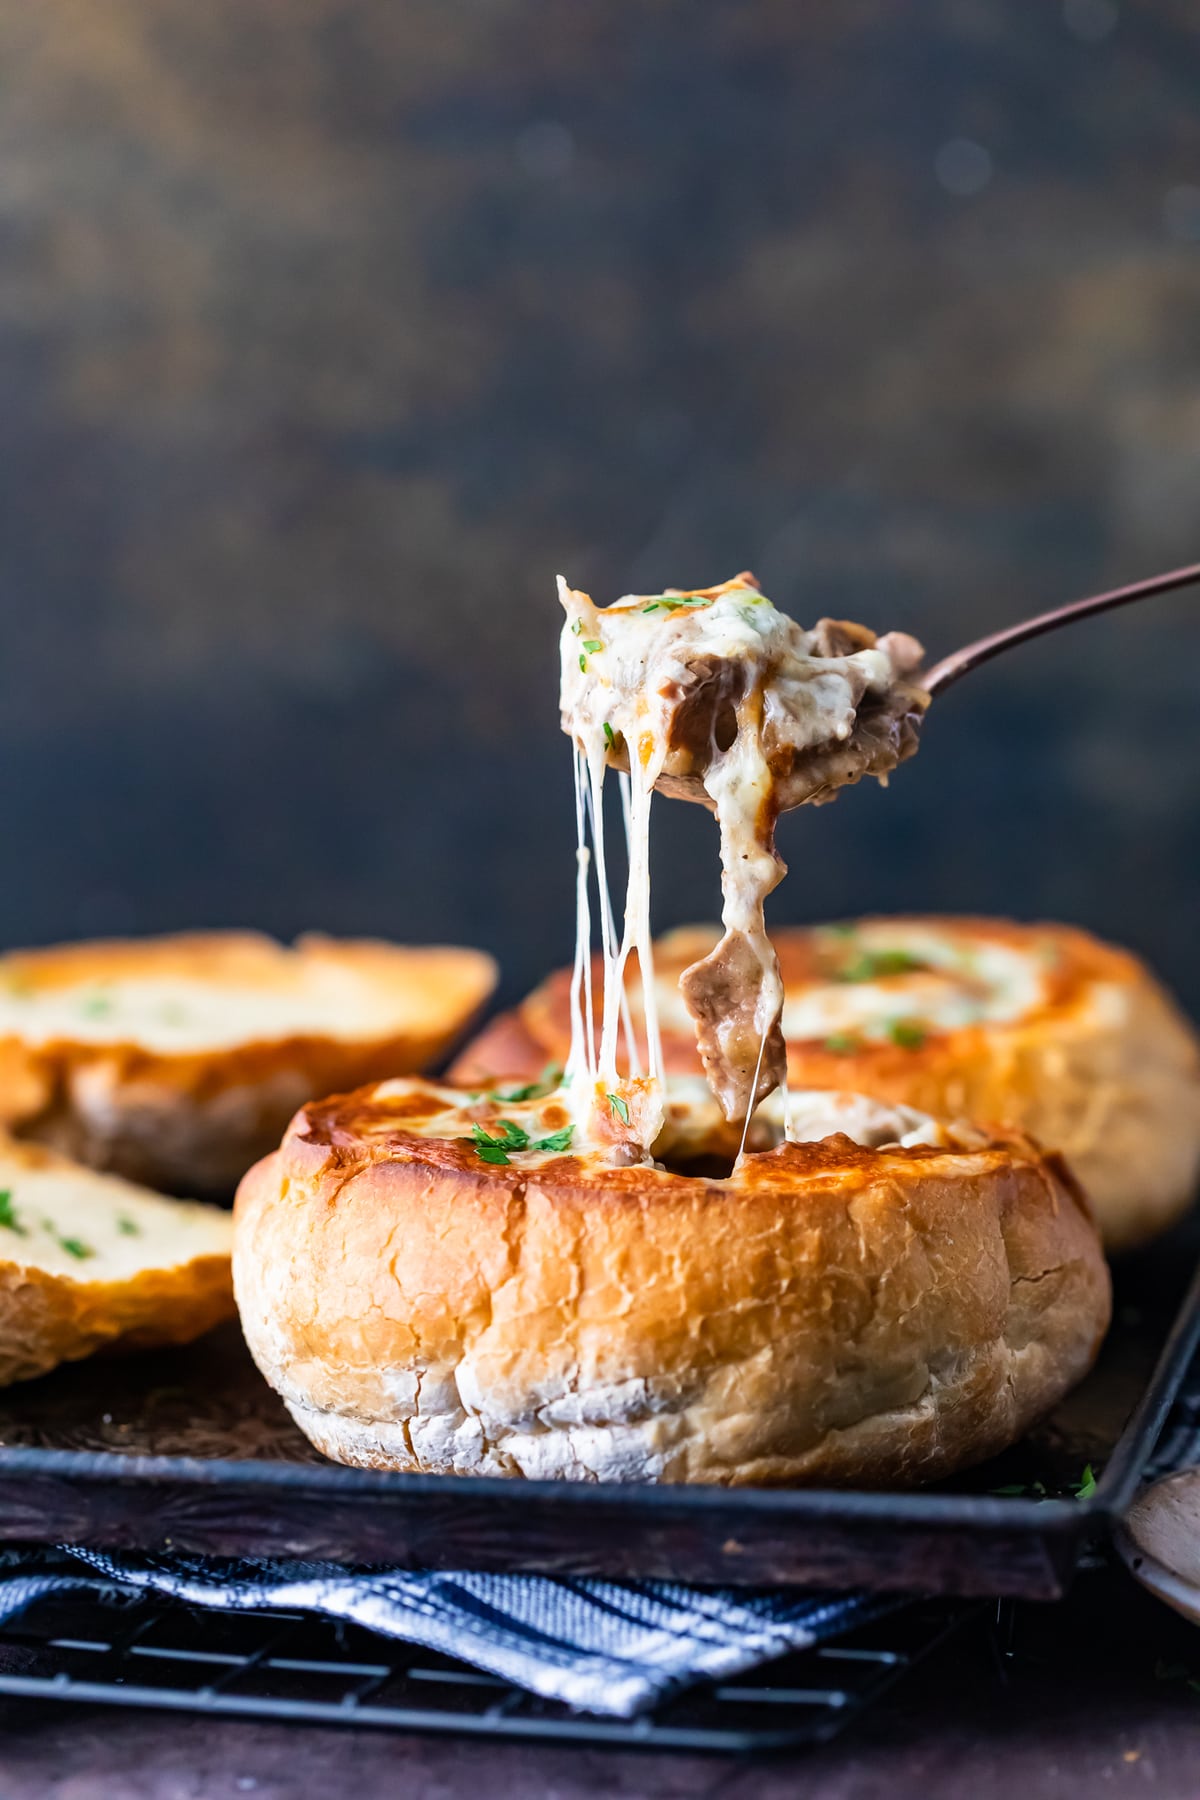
[1105, 1069]
[44, 1322]
[193, 1121]
[829, 1314]
[179, 1288]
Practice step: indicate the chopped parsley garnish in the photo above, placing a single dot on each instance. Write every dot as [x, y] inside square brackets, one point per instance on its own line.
[1037, 1490]
[495, 1149]
[842, 1043]
[619, 1106]
[591, 645]
[577, 627]
[8, 1217]
[547, 1081]
[583, 662]
[76, 1247]
[672, 602]
[868, 964]
[96, 1006]
[609, 735]
[906, 1034]
[557, 1141]
[129, 1228]
[514, 1138]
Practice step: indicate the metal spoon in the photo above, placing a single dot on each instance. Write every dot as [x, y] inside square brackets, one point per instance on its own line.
[1159, 1539]
[971, 655]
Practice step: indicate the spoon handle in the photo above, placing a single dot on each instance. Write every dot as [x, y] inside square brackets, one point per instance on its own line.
[971, 655]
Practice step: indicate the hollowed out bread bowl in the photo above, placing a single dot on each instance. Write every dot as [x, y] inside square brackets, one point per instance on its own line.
[833, 1312]
[177, 1061]
[1042, 1027]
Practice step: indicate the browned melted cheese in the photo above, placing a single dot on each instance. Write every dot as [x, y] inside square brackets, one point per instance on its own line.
[717, 697]
[536, 1134]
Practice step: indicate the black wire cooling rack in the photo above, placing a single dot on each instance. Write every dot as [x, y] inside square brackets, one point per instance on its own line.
[289, 1666]
[120, 1648]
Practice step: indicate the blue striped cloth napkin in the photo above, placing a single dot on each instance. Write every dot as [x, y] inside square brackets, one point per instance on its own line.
[604, 1647]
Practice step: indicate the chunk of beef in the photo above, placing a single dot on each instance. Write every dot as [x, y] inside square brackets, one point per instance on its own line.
[727, 993]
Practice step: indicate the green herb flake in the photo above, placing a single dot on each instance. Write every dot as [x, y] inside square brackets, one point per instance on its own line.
[1087, 1485]
[514, 1096]
[591, 645]
[8, 1218]
[842, 1043]
[609, 736]
[672, 602]
[906, 1034]
[619, 1106]
[76, 1247]
[495, 1149]
[96, 1006]
[129, 1227]
[1031, 1490]
[577, 627]
[583, 663]
[547, 1082]
[558, 1141]
[868, 965]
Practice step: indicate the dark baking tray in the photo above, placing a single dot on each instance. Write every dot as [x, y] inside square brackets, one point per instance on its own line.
[189, 1450]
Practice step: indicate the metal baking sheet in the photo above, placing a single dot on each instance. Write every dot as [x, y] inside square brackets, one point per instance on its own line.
[190, 1450]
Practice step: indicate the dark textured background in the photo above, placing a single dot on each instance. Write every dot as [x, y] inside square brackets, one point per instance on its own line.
[330, 329]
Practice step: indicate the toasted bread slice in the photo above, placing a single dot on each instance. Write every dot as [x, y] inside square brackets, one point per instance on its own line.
[177, 1061]
[90, 1261]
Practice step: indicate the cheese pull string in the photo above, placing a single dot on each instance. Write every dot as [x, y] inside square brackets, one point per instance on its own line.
[762, 1044]
[960, 662]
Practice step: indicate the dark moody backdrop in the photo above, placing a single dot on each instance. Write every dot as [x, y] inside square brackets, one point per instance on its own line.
[331, 329]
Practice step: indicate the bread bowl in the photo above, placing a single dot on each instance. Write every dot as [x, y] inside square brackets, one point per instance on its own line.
[603, 1274]
[830, 1311]
[178, 1060]
[91, 1262]
[1042, 1027]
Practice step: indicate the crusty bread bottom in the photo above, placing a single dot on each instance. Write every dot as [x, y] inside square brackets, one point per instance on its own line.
[828, 1314]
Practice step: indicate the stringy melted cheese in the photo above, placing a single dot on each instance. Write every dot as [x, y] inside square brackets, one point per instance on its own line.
[715, 696]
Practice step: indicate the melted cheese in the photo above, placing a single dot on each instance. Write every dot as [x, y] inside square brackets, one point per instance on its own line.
[637, 678]
[177, 1016]
[960, 983]
[691, 1120]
